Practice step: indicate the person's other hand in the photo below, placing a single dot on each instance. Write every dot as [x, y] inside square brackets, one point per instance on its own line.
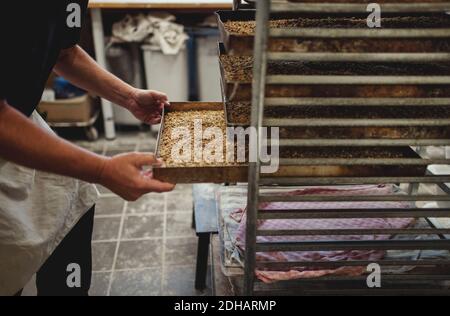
[147, 105]
[123, 174]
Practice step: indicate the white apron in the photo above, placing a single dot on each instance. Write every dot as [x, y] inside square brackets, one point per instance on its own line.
[37, 210]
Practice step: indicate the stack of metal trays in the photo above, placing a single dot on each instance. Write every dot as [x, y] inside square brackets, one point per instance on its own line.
[335, 84]
[337, 118]
[310, 83]
[328, 99]
[421, 109]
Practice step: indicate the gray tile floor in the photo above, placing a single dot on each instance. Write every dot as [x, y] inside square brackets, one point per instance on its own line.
[145, 247]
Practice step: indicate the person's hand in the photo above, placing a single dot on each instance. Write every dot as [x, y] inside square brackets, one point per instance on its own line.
[147, 105]
[123, 174]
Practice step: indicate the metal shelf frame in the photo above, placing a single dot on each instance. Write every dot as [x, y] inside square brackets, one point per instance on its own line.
[281, 6]
[426, 7]
[256, 180]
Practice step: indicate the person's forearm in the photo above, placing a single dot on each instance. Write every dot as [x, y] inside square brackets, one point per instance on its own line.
[79, 68]
[25, 143]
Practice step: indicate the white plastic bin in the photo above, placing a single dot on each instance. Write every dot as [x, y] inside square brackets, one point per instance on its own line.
[124, 62]
[167, 73]
[208, 68]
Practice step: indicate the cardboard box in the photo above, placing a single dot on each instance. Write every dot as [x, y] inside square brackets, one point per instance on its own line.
[77, 109]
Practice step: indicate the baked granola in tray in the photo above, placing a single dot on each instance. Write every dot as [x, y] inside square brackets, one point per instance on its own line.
[238, 28]
[237, 73]
[238, 113]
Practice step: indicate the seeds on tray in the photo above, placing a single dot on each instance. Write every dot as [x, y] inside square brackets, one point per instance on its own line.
[240, 68]
[345, 152]
[186, 120]
[239, 112]
[248, 27]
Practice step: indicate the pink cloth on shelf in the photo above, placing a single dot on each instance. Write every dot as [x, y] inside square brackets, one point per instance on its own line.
[314, 224]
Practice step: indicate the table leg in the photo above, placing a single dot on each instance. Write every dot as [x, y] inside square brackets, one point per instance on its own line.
[99, 46]
[202, 261]
[193, 225]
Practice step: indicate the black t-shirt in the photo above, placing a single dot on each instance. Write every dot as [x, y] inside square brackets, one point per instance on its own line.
[32, 35]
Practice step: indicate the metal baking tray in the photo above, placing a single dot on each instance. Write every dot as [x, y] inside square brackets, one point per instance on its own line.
[239, 115]
[424, 40]
[396, 6]
[345, 86]
[368, 1]
[204, 174]
[231, 174]
[355, 132]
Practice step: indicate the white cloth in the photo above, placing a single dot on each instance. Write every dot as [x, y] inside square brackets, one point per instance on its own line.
[37, 210]
[167, 36]
[132, 28]
[158, 29]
